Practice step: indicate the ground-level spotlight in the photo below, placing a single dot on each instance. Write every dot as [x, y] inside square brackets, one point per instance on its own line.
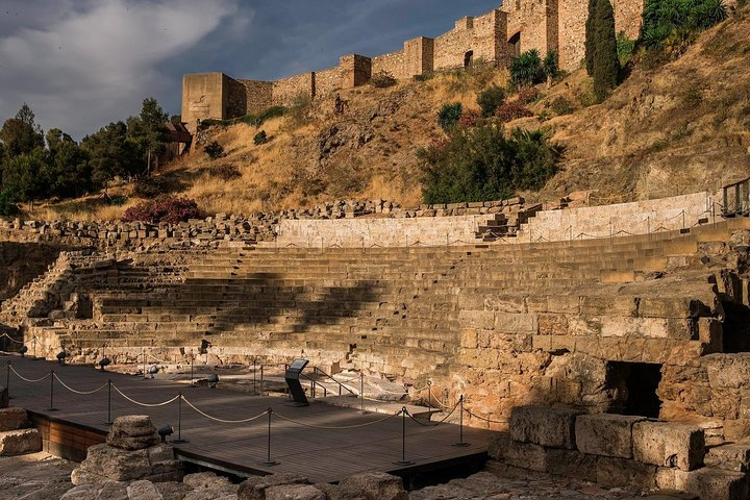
[23, 350]
[61, 357]
[104, 362]
[153, 370]
[212, 380]
[164, 432]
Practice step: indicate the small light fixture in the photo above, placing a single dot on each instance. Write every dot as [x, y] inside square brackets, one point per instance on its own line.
[153, 370]
[104, 362]
[165, 431]
[212, 380]
[61, 357]
[23, 350]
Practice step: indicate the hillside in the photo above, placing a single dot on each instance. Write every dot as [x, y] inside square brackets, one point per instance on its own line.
[679, 128]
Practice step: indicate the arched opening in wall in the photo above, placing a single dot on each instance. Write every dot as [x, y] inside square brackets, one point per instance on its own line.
[633, 387]
[514, 45]
[469, 59]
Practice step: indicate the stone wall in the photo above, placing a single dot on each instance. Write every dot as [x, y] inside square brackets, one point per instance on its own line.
[287, 90]
[641, 217]
[203, 96]
[328, 81]
[379, 232]
[259, 95]
[393, 63]
[543, 25]
[623, 451]
[22, 262]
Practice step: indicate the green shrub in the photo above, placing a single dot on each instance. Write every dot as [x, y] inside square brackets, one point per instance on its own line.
[225, 172]
[449, 115]
[214, 150]
[489, 100]
[424, 77]
[260, 138]
[663, 18]
[551, 65]
[526, 70]
[486, 163]
[625, 48]
[8, 203]
[382, 79]
[561, 106]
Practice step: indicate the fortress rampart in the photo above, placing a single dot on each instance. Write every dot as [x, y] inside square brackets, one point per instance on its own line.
[493, 38]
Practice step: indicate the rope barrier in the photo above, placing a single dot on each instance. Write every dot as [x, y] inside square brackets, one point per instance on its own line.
[74, 391]
[139, 403]
[33, 381]
[11, 338]
[485, 419]
[337, 427]
[434, 424]
[223, 421]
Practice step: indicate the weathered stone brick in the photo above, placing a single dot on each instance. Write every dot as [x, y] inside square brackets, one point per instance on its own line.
[715, 484]
[668, 445]
[606, 434]
[620, 472]
[730, 457]
[550, 427]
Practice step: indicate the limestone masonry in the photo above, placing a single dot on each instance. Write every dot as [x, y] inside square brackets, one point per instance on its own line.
[496, 38]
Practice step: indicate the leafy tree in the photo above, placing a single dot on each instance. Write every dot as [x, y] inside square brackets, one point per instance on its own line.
[590, 37]
[149, 132]
[485, 163]
[449, 115]
[490, 99]
[606, 62]
[526, 70]
[20, 137]
[23, 175]
[68, 171]
[8, 201]
[112, 154]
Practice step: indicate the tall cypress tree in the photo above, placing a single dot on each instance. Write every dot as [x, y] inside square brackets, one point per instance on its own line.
[590, 45]
[606, 64]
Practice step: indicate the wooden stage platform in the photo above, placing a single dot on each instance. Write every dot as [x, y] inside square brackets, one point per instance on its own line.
[323, 442]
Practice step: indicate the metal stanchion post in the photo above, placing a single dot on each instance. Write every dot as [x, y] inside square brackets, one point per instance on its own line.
[7, 379]
[429, 393]
[254, 392]
[461, 423]
[145, 370]
[403, 460]
[261, 380]
[179, 439]
[192, 371]
[109, 402]
[52, 391]
[269, 461]
[33, 341]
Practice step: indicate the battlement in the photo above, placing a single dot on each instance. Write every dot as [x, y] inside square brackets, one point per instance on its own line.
[493, 38]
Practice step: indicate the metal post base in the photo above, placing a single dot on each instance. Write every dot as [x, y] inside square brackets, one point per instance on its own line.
[461, 445]
[404, 462]
[179, 441]
[269, 464]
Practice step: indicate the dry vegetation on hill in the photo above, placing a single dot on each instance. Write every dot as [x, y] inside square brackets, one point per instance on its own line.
[679, 128]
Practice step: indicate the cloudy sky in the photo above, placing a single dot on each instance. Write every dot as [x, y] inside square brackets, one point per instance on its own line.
[81, 64]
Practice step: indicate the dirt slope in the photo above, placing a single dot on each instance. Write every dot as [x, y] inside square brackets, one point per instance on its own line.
[680, 128]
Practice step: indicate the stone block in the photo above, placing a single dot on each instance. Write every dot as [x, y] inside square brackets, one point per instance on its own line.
[668, 445]
[373, 486]
[294, 492]
[526, 456]
[550, 427]
[20, 442]
[620, 472]
[132, 432]
[142, 490]
[713, 484]
[254, 488]
[12, 419]
[497, 444]
[570, 463]
[730, 457]
[606, 434]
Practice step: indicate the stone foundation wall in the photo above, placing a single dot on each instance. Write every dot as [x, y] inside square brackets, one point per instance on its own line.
[392, 63]
[623, 451]
[287, 90]
[328, 81]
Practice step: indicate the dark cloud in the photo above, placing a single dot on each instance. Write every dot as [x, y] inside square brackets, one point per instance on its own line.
[83, 63]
